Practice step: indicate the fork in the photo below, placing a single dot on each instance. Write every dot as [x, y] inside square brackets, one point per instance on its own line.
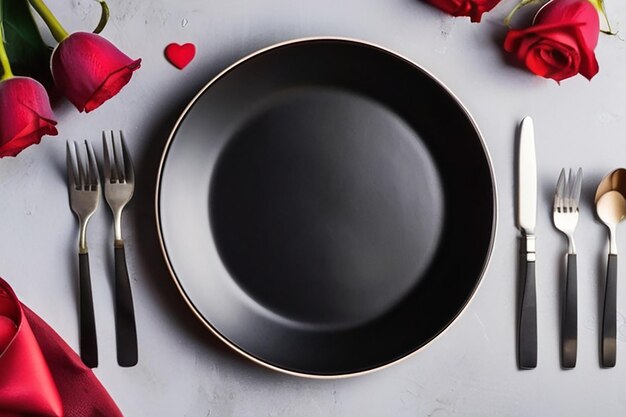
[84, 192]
[119, 185]
[565, 216]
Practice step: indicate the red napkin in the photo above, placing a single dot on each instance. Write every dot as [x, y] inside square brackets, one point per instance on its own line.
[40, 375]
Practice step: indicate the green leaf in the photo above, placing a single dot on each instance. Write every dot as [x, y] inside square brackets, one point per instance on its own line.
[27, 52]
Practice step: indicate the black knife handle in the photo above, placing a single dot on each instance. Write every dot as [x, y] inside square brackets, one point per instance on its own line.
[88, 339]
[528, 316]
[569, 319]
[125, 328]
[609, 321]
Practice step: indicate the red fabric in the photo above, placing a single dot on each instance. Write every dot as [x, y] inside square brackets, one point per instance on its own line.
[25, 115]
[40, 375]
[561, 42]
[89, 70]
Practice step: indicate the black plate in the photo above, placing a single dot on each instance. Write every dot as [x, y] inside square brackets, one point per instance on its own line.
[326, 207]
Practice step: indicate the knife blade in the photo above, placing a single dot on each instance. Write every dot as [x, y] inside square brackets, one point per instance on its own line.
[527, 218]
[527, 189]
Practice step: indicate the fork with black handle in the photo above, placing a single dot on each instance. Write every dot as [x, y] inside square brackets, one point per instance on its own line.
[119, 185]
[84, 192]
[565, 216]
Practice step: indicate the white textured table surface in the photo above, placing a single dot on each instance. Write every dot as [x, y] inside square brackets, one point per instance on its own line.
[470, 370]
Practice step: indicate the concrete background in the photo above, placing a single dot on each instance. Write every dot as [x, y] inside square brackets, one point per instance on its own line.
[469, 371]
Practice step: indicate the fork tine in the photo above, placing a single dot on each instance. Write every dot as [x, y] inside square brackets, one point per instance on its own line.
[569, 182]
[560, 191]
[572, 186]
[119, 159]
[71, 171]
[577, 188]
[106, 159]
[81, 168]
[93, 166]
[88, 171]
[129, 172]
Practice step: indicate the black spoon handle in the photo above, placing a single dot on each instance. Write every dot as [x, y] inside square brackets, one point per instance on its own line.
[569, 323]
[125, 328]
[609, 321]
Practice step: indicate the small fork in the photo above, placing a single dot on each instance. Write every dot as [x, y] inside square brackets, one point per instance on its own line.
[119, 185]
[84, 192]
[565, 216]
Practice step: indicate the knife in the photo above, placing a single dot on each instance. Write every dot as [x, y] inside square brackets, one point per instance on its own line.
[527, 217]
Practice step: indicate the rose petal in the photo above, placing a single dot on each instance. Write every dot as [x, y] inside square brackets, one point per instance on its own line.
[588, 63]
[573, 11]
[25, 115]
[111, 86]
[88, 69]
[552, 60]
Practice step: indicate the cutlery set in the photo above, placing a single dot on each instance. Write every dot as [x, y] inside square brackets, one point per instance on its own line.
[610, 202]
[84, 194]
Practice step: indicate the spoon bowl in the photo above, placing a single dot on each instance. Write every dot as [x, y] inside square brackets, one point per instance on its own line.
[614, 181]
[611, 208]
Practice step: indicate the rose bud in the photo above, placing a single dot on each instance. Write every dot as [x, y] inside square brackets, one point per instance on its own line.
[472, 8]
[560, 42]
[89, 70]
[25, 115]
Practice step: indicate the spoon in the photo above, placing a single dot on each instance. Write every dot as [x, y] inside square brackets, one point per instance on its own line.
[611, 208]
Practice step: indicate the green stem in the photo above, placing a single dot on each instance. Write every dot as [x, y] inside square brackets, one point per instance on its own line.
[522, 3]
[4, 59]
[51, 21]
[104, 17]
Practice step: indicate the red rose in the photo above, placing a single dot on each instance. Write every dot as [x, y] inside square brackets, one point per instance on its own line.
[25, 115]
[560, 42]
[89, 69]
[472, 8]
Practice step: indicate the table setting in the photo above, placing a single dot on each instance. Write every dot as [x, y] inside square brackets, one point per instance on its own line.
[290, 209]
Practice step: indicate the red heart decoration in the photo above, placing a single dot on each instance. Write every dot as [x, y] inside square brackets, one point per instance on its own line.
[180, 55]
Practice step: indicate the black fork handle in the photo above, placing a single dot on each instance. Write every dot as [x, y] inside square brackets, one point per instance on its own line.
[125, 327]
[88, 338]
[569, 320]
